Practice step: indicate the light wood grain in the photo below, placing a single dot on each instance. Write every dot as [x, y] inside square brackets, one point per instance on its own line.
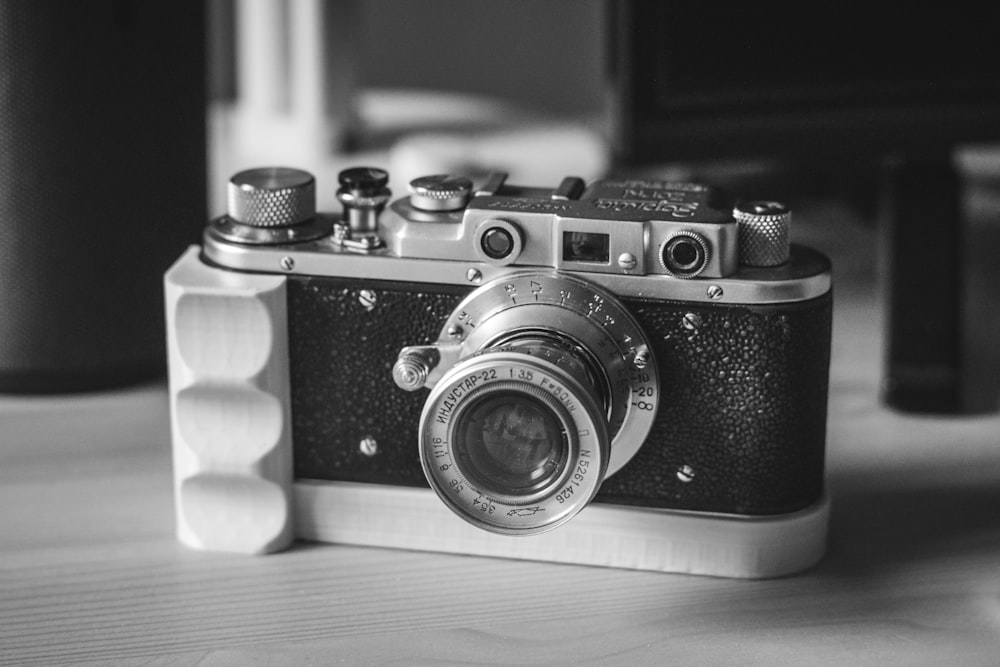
[230, 407]
[90, 571]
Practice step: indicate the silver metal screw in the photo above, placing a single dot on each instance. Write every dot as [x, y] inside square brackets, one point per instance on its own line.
[626, 261]
[367, 298]
[287, 263]
[368, 446]
[474, 275]
[641, 359]
[691, 321]
[685, 473]
[454, 331]
[714, 292]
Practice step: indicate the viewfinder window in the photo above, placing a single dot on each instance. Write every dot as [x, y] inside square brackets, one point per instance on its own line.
[586, 247]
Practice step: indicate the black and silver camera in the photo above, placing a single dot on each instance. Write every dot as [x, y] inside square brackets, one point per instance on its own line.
[629, 373]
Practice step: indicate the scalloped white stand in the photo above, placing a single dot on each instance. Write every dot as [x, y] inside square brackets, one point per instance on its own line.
[602, 534]
[227, 346]
[229, 397]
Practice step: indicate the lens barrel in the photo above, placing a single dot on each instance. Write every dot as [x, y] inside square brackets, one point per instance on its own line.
[545, 384]
[514, 443]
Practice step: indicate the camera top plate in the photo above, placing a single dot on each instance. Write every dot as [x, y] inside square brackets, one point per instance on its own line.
[641, 238]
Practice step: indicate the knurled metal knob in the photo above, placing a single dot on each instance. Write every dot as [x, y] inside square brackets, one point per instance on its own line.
[440, 192]
[413, 366]
[763, 232]
[272, 197]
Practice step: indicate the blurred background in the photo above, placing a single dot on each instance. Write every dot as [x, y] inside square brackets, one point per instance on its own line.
[879, 129]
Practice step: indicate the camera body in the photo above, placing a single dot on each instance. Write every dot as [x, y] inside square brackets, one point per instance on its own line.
[630, 373]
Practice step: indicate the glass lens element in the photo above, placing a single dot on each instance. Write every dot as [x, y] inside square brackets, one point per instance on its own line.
[586, 247]
[497, 243]
[510, 443]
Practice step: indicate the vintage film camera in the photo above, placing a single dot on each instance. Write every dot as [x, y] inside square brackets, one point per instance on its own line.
[631, 373]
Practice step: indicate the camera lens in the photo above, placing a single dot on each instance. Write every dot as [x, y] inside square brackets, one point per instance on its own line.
[551, 387]
[510, 442]
[497, 243]
[515, 443]
[684, 254]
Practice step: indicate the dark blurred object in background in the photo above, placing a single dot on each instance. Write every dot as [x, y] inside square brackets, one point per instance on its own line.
[102, 184]
[710, 79]
[839, 95]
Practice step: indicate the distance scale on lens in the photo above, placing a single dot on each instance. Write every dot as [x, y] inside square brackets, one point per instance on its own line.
[584, 313]
[576, 361]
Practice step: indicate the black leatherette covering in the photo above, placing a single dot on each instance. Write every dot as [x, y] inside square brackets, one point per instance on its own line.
[742, 396]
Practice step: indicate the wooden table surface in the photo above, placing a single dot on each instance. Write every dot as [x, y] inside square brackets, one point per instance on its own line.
[90, 570]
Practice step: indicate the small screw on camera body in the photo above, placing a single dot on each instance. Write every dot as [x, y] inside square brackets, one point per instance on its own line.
[368, 299]
[686, 474]
[368, 446]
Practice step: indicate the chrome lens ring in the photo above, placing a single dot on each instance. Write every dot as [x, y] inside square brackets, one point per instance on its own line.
[581, 312]
[570, 474]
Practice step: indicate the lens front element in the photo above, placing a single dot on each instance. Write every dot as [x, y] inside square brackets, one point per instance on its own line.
[513, 443]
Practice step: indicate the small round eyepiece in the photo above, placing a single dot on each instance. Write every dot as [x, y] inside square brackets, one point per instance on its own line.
[498, 241]
[684, 254]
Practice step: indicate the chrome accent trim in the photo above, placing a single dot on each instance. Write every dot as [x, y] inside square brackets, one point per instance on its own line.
[806, 276]
[227, 229]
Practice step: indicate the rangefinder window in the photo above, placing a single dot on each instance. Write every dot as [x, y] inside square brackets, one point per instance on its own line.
[586, 247]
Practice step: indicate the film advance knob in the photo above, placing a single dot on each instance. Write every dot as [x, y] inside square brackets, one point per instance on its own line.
[440, 192]
[763, 232]
[272, 197]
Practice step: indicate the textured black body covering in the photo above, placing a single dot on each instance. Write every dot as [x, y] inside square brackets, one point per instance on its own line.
[742, 397]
